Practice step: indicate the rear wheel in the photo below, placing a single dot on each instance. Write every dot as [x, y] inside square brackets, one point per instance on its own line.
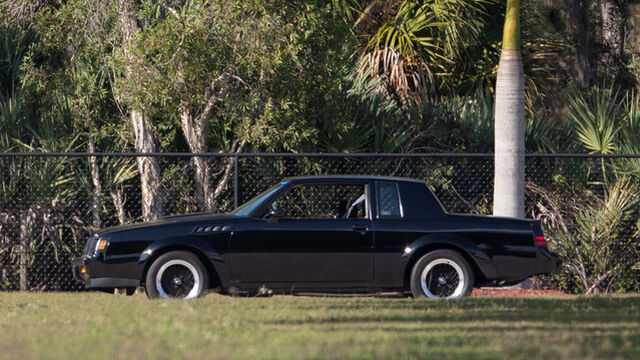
[177, 275]
[441, 274]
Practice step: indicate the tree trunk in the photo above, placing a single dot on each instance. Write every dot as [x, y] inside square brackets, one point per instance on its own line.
[508, 194]
[118, 204]
[613, 25]
[97, 186]
[145, 141]
[195, 132]
[148, 168]
[581, 32]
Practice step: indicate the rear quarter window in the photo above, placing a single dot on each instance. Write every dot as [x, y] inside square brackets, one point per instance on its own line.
[388, 200]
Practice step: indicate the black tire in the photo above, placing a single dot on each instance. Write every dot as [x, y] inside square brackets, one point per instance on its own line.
[442, 274]
[177, 275]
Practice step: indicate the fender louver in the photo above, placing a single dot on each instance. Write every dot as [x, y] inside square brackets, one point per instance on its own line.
[210, 229]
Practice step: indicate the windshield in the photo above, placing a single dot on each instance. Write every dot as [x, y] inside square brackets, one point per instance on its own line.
[250, 206]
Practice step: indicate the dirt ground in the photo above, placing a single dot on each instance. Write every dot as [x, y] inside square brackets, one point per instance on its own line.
[515, 292]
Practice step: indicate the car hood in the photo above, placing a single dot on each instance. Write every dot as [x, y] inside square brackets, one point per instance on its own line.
[170, 220]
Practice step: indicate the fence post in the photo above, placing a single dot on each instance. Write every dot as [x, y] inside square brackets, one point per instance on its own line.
[25, 230]
[24, 283]
[236, 183]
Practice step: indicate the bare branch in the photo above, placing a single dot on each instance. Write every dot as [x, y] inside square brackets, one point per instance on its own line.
[236, 147]
[170, 9]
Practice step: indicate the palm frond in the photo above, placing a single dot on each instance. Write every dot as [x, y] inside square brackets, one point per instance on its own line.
[406, 80]
[596, 120]
[350, 9]
[421, 41]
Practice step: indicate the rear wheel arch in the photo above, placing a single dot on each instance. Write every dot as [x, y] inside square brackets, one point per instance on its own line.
[214, 278]
[433, 246]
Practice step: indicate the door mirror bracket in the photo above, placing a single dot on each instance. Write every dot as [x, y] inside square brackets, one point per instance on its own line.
[273, 215]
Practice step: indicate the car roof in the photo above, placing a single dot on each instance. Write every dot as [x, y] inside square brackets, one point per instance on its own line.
[330, 178]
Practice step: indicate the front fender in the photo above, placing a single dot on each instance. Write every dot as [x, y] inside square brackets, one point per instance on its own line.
[473, 251]
[187, 243]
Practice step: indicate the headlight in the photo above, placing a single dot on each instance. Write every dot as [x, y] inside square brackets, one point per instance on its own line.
[102, 244]
[96, 244]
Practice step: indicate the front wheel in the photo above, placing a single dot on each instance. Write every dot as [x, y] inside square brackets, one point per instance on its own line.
[176, 275]
[441, 274]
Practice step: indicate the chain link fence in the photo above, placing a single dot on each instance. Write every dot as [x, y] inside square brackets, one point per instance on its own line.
[51, 203]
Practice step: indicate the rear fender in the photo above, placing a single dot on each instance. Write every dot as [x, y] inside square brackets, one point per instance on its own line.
[471, 251]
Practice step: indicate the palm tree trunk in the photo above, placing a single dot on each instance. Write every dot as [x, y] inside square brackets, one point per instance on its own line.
[508, 192]
[508, 195]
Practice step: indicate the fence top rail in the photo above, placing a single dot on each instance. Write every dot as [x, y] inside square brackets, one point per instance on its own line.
[327, 155]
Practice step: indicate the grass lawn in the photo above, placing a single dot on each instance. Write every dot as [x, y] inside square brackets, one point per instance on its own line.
[103, 326]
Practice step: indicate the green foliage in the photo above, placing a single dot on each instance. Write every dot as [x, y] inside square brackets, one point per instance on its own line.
[256, 62]
[543, 135]
[465, 123]
[629, 136]
[375, 122]
[605, 240]
[606, 122]
[421, 41]
[475, 120]
[13, 45]
[596, 233]
[597, 120]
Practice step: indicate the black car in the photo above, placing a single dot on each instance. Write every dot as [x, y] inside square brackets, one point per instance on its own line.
[320, 234]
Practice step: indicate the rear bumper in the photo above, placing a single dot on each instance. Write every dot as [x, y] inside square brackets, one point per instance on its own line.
[548, 263]
[97, 282]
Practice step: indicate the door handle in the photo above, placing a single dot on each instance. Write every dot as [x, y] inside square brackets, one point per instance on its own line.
[360, 228]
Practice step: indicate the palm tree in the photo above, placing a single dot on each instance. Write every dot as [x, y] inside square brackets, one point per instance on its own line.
[508, 195]
[415, 48]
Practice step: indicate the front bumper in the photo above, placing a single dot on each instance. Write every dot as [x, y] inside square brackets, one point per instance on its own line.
[97, 282]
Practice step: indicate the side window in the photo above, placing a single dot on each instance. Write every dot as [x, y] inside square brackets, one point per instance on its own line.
[322, 201]
[388, 201]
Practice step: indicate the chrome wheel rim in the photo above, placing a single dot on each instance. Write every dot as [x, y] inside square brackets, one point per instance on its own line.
[178, 279]
[442, 278]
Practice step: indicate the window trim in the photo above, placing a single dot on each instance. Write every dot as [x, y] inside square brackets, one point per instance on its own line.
[378, 215]
[291, 185]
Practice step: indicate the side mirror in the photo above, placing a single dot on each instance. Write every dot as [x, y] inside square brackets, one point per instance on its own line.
[273, 215]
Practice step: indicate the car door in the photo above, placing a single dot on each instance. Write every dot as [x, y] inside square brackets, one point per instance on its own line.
[323, 235]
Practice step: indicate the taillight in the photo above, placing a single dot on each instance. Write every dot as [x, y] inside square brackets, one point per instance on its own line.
[540, 241]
